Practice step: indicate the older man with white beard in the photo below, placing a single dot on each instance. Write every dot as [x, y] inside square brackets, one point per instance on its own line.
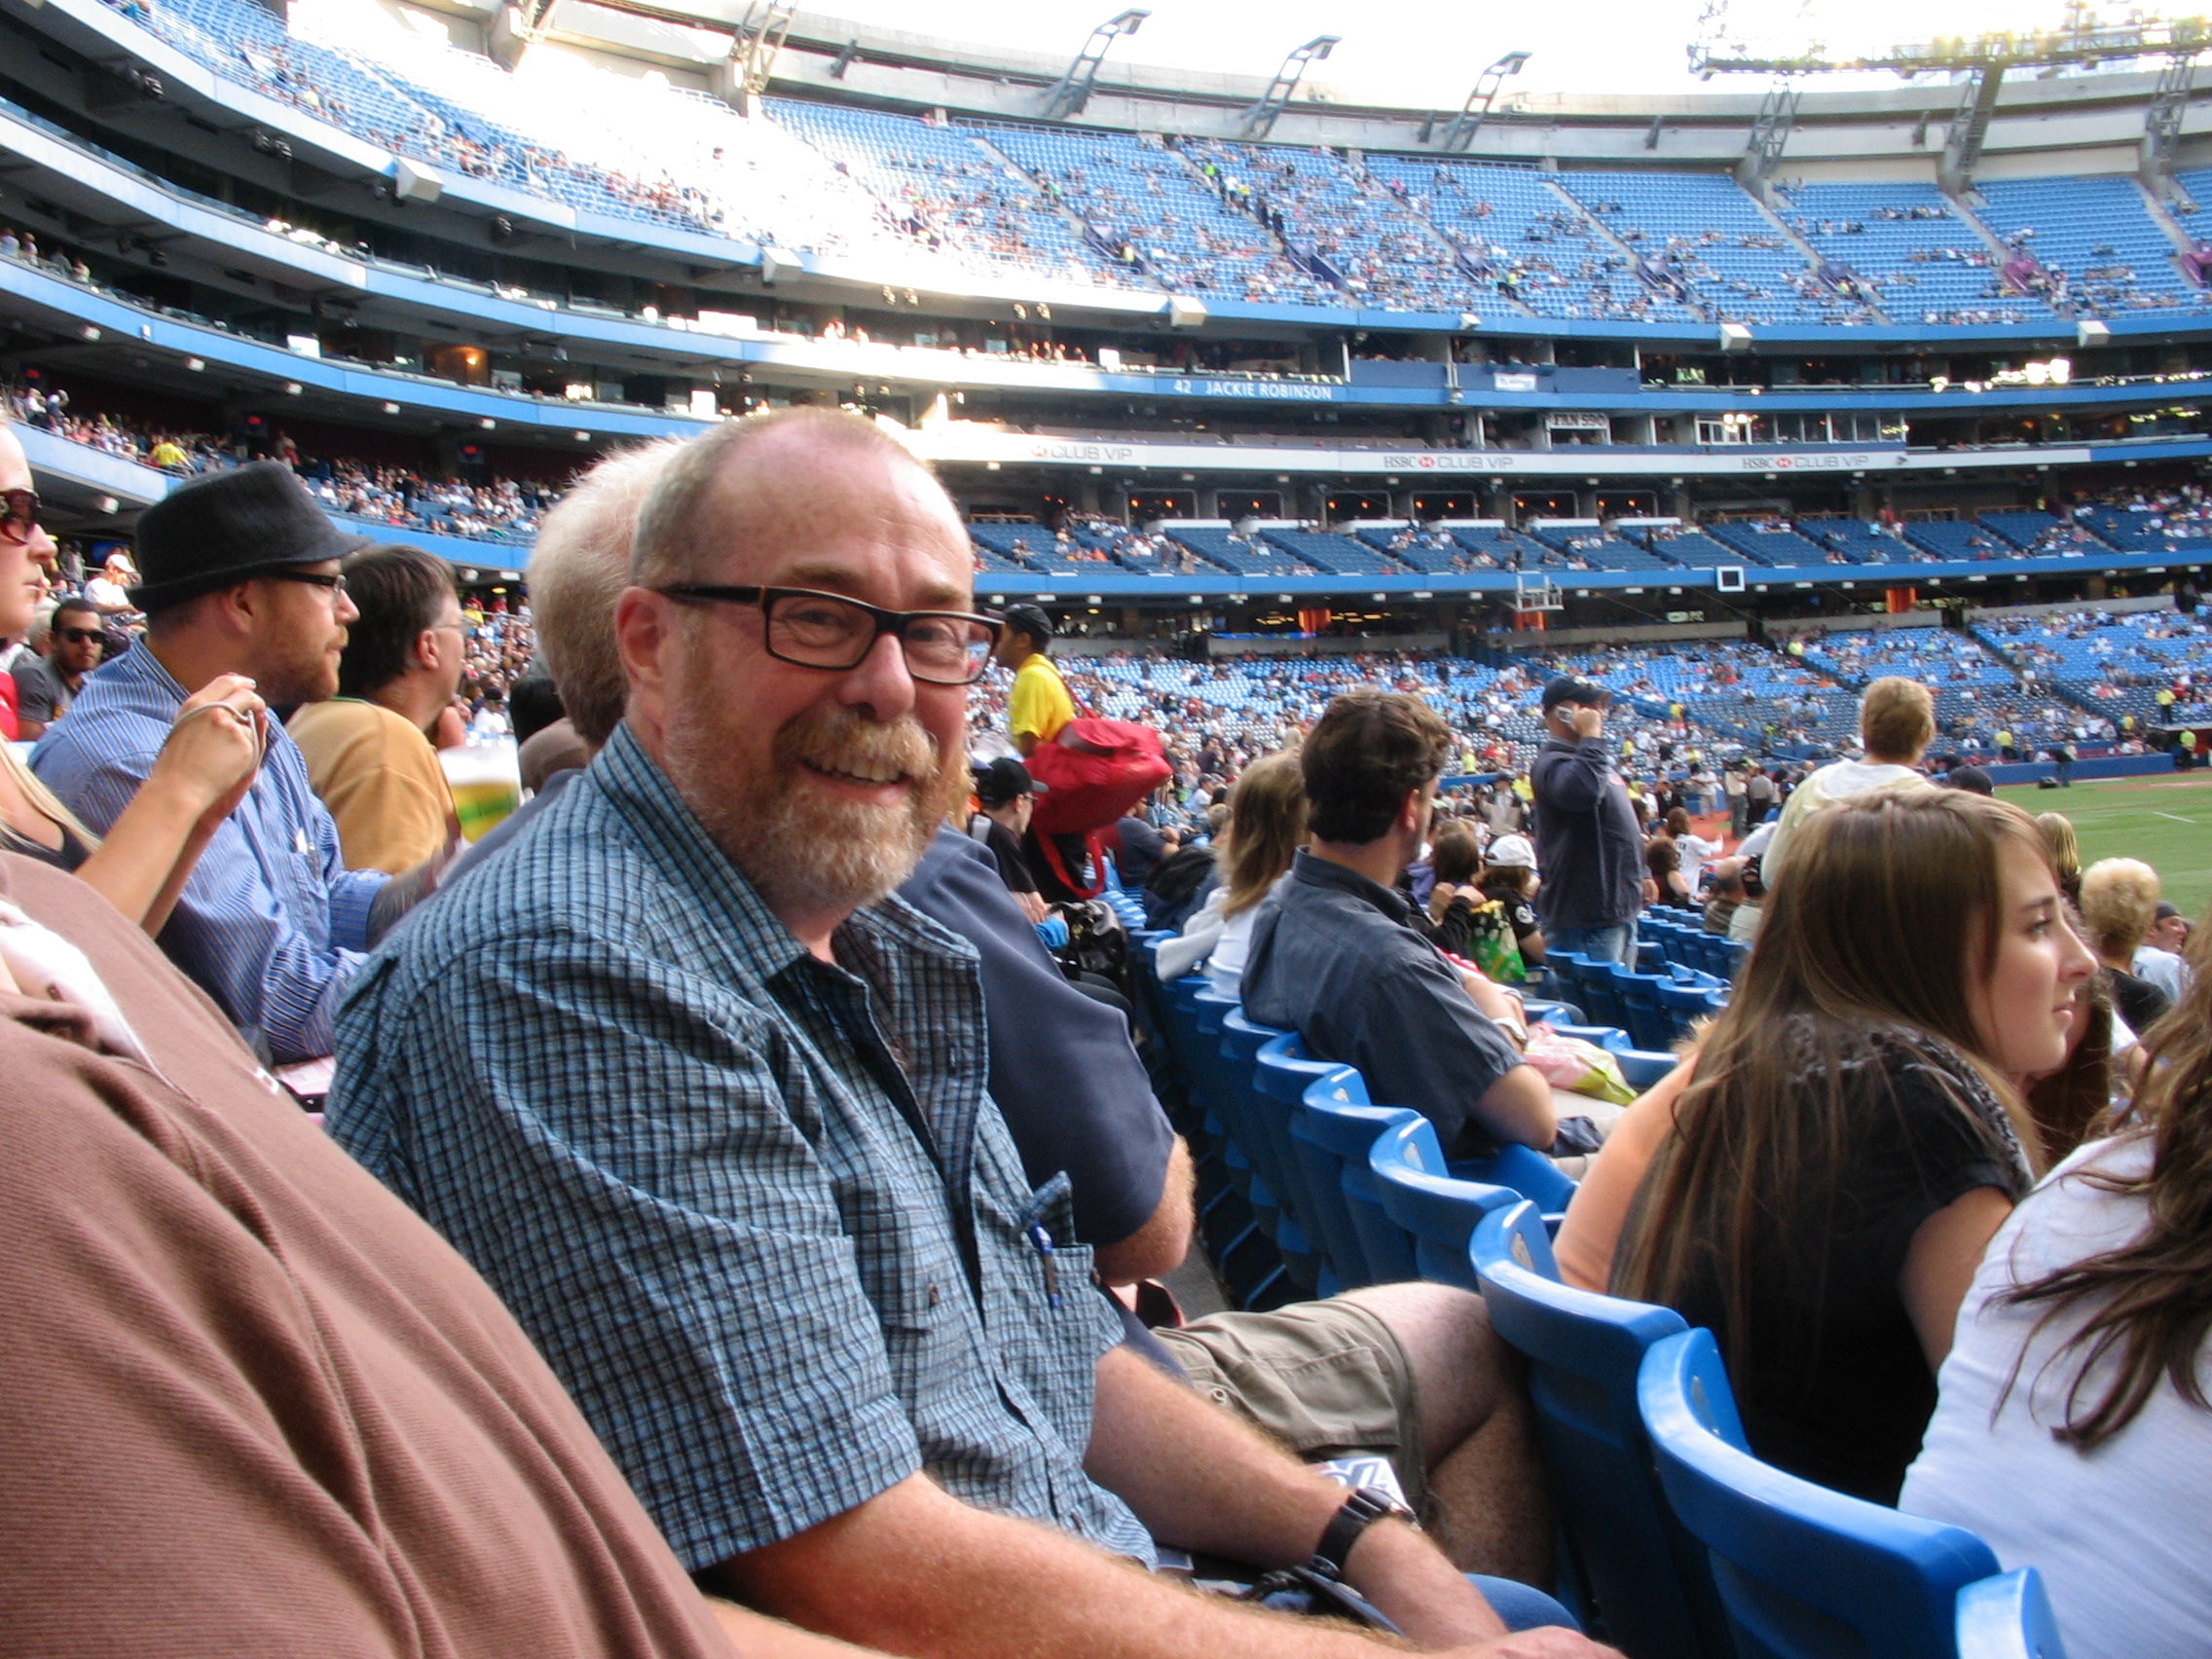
[708, 1109]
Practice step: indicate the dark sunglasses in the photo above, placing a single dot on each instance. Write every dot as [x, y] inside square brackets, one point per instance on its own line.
[82, 635]
[18, 513]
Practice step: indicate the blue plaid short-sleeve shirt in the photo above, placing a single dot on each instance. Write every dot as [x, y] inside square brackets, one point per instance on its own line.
[758, 1211]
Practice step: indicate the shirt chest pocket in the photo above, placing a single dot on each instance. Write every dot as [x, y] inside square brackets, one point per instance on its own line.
[929, 1333]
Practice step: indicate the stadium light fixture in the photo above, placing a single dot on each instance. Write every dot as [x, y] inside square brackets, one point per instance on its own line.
[1260, 118]
[1476, 110]
[1071, 93]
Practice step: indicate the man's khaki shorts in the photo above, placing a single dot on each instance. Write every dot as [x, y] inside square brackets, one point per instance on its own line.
[1326, 1378]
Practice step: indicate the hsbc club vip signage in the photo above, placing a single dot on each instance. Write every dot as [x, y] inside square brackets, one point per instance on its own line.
[1826, 460]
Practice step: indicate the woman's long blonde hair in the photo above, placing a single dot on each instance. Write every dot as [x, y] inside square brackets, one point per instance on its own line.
[42, 799]
[1267, 825]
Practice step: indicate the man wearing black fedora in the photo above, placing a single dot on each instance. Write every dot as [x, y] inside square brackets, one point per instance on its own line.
[239, 576]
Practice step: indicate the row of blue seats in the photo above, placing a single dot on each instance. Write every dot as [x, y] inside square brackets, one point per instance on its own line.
[1656, 1007]
[1679, 1543]
[1682, 942]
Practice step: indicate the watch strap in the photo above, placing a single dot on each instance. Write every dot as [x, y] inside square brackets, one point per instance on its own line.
[1361, 1508]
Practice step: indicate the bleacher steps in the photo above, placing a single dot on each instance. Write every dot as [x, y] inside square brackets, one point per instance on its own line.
[1405, 207]
[1963, 204]
[2155, 208]
[2055, 690]
[1789, 234]
[1084, 231]
[1687, 298]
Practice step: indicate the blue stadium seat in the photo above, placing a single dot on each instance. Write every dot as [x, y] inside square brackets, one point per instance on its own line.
[1241, 1238]
[1803, 1573]
[1436, 1214]
[1333, 1129]
[1591, 984]
[1684, 1004]
[1261, 1121]
[1551, 1011]
[1647, 1580]
[2007, 1617]
[1647, 1019]
[1642, 1068]
[1521, 1171]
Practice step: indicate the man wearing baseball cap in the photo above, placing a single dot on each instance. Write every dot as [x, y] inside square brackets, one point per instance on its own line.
[240, 576]
[1587, 843]
[1008, 795]
[1040, 704]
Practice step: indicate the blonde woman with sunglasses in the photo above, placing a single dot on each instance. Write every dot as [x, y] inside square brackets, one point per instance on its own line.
[204, 769]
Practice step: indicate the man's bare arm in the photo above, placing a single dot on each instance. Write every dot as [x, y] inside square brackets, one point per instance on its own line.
[756, 1636]
[1161, 1243]
[1518, 1107]
[914, 1571]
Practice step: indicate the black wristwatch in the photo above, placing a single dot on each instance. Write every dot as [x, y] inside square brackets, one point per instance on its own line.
[1362, 1507]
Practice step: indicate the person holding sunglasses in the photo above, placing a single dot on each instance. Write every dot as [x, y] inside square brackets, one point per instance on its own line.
[242, 584]
[200, 762]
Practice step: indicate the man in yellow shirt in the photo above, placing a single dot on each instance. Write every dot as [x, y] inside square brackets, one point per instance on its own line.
[368, 750]
[1040, 705]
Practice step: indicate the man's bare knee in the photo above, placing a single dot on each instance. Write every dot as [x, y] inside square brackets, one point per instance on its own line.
[1461, 1369]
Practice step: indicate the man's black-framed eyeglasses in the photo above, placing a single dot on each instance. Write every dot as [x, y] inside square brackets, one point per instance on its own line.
[82, 635]
[828, 630]
[19, 514]
[330, 580]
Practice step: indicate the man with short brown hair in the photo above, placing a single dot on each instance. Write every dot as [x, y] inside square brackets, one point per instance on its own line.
[1335, 956]
[368, 749]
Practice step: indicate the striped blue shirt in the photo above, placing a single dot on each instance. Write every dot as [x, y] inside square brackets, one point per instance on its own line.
[757, 1211]
[271, 923]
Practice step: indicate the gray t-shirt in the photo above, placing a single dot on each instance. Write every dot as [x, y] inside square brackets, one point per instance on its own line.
[40, 695]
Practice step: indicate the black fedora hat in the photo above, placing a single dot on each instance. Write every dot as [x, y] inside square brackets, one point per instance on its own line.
[228, 527]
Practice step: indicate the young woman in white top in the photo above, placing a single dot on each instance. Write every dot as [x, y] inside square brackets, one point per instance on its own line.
[2074, 1429]
[1267, 825]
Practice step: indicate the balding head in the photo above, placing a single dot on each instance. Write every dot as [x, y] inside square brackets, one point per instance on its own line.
[727, 500]
[580, 564]
[821, 782]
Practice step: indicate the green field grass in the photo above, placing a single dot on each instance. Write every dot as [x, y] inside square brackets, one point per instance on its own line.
[2165, 821]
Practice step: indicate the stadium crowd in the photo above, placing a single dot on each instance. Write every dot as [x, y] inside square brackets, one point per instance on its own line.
[484, 510]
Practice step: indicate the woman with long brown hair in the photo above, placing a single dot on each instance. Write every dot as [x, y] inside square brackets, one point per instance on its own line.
[1267, 825]
[1820, 1193]
[2075, 1429]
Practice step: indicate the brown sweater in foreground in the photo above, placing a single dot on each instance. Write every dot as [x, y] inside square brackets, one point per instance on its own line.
[249, 1403]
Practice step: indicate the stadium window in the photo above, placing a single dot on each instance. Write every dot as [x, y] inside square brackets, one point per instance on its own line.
[1562, 504]
[1249, 503]
[1149, 505]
